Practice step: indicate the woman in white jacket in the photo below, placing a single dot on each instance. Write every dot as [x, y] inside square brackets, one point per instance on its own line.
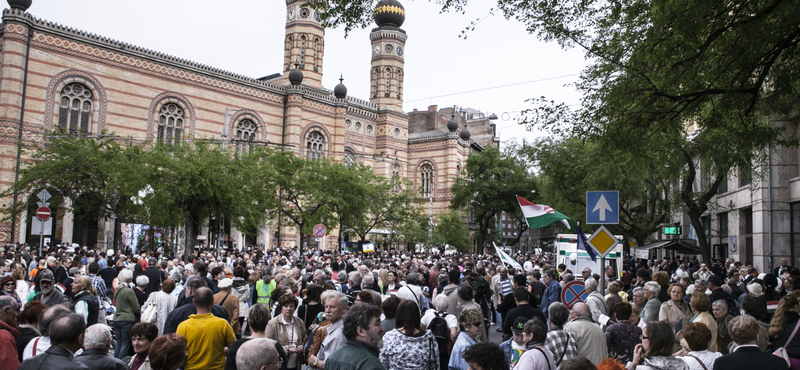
[165, 303]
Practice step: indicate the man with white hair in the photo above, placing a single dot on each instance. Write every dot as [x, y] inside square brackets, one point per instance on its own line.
[588, 336]
[595, 300]
[96, 343]
[366, 285]
[258, 354]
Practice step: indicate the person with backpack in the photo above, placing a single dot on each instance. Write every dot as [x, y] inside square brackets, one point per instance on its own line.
[443, 326]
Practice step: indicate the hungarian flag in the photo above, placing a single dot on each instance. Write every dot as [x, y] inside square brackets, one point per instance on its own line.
[540, 215]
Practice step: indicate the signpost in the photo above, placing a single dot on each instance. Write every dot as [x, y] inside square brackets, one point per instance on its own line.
[602, 207]
[602, 241]
[574, 292]
[43, 214]
[320, 231]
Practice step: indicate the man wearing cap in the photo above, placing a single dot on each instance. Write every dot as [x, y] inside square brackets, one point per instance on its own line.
[514, 347]
[49, 296]
[229, 302]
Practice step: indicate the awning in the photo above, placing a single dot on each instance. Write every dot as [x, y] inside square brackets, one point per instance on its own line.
[685, 246]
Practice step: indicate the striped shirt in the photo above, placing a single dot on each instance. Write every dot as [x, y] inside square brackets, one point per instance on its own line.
[506, 286]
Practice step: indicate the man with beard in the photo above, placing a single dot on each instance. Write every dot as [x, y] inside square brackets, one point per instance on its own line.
[362, 328]
[49, 296]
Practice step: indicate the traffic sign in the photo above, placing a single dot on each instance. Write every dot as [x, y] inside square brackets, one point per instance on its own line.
[44, 195]
[602, 241]
[574, 292]
[43, 213]
[602, 207]
[320, 230]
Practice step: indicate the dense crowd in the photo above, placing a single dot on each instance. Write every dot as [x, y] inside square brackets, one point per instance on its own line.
[77, 308]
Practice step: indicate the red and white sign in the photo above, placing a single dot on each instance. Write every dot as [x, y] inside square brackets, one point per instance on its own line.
[320, 230]
[43, 213]
[574, 292]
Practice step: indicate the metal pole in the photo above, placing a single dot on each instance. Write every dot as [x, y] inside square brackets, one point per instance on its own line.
[41, 236]
[603, 275]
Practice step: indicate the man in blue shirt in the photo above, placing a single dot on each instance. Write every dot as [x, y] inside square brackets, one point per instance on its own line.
[553, 291]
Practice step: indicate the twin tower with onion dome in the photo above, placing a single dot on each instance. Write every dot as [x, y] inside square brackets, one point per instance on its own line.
[304, 48]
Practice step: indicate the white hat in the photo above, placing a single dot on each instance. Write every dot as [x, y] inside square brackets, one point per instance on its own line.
[225, 283]
[755, 289]
[110, 253]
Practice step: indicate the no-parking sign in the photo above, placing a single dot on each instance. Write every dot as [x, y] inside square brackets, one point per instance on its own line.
[574, 292]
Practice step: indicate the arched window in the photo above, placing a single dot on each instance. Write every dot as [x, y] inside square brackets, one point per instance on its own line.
[349, 157]
[395, 177]
[245, 134]
[302, 52]
[75, 110]
[399, 83]
[171, 117]
[316, 52]
[288, 53]
[315, 145]
[376, 78]
[388, 81]
[426, 180]
[458, 169]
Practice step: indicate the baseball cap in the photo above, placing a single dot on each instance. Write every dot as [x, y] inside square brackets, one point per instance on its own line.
[519, 324]
[714, 279]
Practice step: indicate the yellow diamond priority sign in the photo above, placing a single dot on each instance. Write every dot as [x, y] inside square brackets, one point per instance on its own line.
[602, 241]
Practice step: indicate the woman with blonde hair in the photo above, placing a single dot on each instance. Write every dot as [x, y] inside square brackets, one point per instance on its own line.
[84, 300]
[783, 328]
[700, 305]
[675, 309]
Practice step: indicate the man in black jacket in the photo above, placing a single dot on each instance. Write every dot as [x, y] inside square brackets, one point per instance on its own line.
[509, 302]
[186, 307]
[96, 343]
[66, 337]
[747, 356]
[154, 274]
[523, 309]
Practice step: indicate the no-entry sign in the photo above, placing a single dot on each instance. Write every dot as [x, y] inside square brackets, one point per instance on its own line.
[43, 213]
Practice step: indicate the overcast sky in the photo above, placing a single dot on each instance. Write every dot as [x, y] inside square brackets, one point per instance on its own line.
[246, 37]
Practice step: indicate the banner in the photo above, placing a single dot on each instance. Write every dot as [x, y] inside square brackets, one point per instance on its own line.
[368, 247]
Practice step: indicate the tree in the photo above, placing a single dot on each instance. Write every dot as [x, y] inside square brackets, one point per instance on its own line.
[451, 230]
[97, 174]
[571, 167]
[489, 186]
[193, 182]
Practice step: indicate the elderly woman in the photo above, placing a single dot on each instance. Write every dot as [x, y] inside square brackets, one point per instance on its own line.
[84, 300]
[637, 297]
[470, 322]
[699, 357]
[720, 310]
[288, 330]
[675, 310]
[441, 304]
[230, 303]
[653, 306]
[654, 353]
[9, 285]
[141, 284]
[165, 303]
[622, 336]
[142, 336]
[168, 352]
[128, 308]
[700, 305]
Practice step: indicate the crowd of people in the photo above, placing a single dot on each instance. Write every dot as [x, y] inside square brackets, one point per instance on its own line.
[77, 308]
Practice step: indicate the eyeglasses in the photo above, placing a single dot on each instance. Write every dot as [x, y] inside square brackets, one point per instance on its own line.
[477, 324]
[642, 337]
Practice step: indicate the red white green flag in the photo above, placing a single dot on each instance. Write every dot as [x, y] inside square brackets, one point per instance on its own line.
[539, 215]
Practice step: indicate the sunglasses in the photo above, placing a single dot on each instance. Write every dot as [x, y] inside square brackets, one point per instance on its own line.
[9, 284]
[476, 324]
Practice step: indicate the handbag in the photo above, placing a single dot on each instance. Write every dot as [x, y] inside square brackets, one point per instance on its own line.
[781, 352]
[150, 312]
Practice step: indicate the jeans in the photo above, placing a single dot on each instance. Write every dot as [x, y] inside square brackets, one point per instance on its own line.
[499, 321]
[123, 331]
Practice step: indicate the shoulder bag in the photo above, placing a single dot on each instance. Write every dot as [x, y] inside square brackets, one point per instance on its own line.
[781, 352]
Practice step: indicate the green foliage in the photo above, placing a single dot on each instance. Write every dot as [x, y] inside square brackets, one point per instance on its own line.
[451, 231]
[489, 186]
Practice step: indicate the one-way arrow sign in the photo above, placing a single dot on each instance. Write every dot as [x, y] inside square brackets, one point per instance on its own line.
[602, 207]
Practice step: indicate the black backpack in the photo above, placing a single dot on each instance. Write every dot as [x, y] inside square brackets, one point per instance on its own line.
[441, 333]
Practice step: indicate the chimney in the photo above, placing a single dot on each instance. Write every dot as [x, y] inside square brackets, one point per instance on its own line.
[433, 108]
